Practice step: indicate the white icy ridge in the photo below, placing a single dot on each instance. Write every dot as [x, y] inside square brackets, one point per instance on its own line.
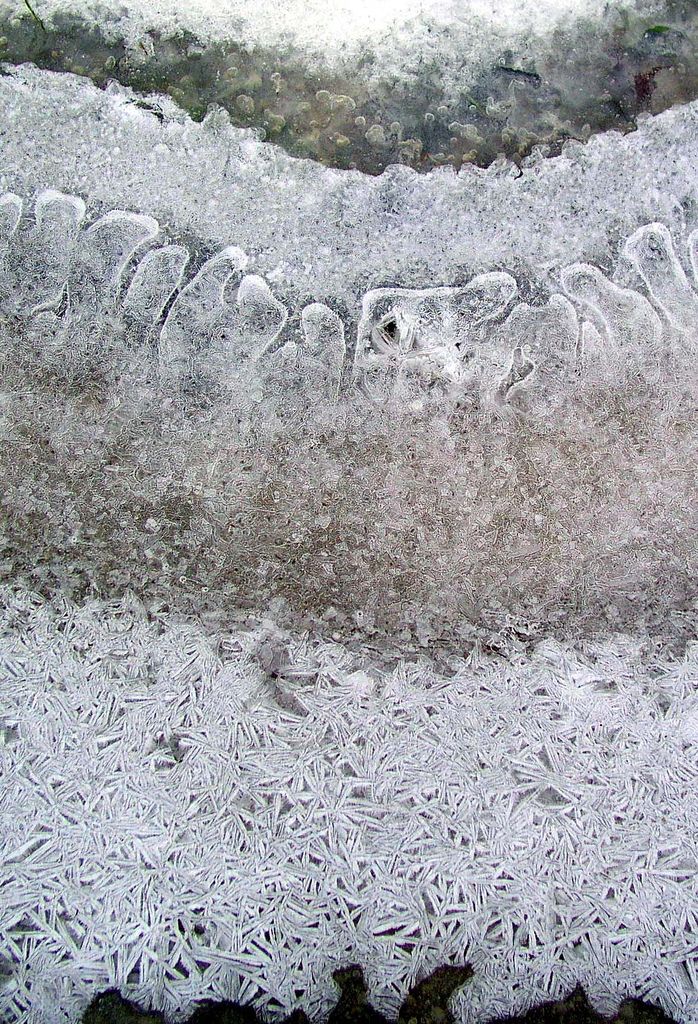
[318, 234]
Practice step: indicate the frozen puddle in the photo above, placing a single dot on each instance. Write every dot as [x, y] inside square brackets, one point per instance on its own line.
[349, 540]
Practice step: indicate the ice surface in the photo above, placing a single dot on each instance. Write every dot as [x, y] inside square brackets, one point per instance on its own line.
[351, 527]
[535, 357]
[235, 815]
[430, 481]
[632, 327]
[330, 236]
[199, 313]
[10, 214]
[652, 251]
[323, 352]
[430, 333]
[158, 276]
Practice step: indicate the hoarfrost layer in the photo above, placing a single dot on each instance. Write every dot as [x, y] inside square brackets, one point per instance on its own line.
[180, 822]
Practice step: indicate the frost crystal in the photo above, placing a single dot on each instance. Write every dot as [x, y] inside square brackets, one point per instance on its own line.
[180, 820]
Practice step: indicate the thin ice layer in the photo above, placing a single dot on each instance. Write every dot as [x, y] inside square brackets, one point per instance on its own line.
[321, 234]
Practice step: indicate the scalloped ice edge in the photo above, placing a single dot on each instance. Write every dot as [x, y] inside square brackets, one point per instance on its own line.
[329, 236]
[219, 321]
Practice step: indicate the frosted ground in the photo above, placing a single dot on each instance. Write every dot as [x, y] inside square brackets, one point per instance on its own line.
[348, 527]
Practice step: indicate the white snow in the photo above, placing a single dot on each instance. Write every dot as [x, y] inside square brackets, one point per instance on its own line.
[398, 29]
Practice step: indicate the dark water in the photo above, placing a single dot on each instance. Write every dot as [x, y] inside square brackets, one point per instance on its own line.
[596, 77]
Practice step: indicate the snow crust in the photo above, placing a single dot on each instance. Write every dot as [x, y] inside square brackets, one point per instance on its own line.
[397, 31]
